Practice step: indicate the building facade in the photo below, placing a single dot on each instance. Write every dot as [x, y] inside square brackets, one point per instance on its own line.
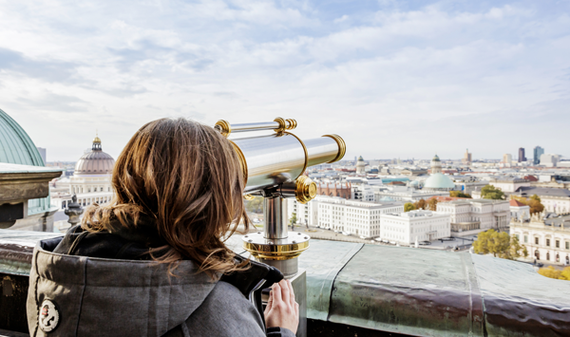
[354, 217]
[476, 215]
[91, 180]
[537, 152]
[545, 239]
[467, 158]
[407, 228]
[519, 211]
[522, 157]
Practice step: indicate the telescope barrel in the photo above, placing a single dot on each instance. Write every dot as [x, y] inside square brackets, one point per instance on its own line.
[274, 159]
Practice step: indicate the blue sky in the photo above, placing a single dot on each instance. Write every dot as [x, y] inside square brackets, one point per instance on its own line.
[394, 78]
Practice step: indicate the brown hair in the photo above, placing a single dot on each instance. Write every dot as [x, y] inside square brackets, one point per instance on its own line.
[186, 177]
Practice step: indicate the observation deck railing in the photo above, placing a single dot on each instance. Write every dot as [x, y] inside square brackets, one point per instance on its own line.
[374, 290]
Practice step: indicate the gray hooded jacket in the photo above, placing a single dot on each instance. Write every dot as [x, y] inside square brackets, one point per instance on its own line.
[71, 295]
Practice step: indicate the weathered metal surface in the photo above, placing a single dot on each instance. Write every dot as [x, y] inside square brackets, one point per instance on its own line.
[16, 250]
[367, 289]
[323, 260]
[519, 301]
[411, 291]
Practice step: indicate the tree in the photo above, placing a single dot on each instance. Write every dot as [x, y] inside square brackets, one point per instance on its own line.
[409, 207]
[293, 220]
[420, 204]
[500, 244]
[565, 275]
[533, 202]
[432, 204]
[550, 271]
[490, 192]
[554, 273]
[459, 194]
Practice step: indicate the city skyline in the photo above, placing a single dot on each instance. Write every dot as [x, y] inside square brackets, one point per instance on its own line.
[392, 78]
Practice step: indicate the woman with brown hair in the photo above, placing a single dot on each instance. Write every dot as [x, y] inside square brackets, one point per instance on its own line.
[153, 261]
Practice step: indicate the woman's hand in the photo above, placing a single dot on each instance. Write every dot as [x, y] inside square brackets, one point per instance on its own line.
[282, 310]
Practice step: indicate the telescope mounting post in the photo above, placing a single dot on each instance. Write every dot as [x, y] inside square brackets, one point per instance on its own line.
[273, 166]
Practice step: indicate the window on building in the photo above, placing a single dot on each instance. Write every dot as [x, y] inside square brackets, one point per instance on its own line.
[525, 238]
[536, 241]
[548, 242]
[567, 245]
[557, 243]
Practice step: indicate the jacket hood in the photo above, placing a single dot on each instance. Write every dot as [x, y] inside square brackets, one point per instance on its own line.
[104, 297]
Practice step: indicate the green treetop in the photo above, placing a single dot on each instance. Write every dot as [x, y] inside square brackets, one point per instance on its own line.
[490, 192]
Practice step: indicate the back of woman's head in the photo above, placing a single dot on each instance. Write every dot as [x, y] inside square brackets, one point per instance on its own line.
[187, 179]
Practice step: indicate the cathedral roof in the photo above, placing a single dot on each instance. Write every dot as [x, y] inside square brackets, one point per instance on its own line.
[95, 162]
[436, 158]
[439, 180]
[16, 147]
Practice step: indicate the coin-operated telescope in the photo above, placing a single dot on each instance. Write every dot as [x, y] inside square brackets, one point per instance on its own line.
[273, 167]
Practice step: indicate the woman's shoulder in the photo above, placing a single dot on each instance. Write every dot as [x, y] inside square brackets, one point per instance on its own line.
[226, 312]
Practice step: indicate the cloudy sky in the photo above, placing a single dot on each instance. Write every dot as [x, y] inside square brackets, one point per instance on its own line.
[393, 78]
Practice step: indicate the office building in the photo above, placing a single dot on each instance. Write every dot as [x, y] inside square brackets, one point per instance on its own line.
[522, 158]
[407, 228]
[538, 151]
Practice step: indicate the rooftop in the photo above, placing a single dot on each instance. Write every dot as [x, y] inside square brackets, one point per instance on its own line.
[543, 191]
[369, 289]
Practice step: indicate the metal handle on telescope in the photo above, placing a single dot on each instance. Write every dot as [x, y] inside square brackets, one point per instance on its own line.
[278, 125]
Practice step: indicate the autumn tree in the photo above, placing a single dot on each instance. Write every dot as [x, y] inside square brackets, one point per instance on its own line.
[533, 202]
[409, 207]
[490, 192]
[552, 272]
[432, 204]
[420, 204]
[500, 244]
[459, 194]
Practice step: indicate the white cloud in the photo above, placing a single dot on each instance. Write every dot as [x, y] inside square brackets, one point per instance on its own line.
[404, 83]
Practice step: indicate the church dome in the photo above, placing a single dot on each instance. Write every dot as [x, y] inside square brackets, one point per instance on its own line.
[439, 181]
[95, 162]
[436, 158]
[16, 147]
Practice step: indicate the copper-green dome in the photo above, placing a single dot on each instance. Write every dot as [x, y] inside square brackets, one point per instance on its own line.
[436, 158]
[16, 147]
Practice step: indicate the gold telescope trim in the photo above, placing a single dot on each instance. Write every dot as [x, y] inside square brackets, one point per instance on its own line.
[276, 252]
[341, 147]
[305, 189]
[292, 123]
[282, 124]
[304, 149]
[242, 162]
[223, 127]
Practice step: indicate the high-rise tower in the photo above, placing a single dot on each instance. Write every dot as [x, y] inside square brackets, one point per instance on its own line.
[538, 151]
[521, 154]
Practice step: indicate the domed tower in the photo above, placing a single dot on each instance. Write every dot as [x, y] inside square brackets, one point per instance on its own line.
[360, 164]
[437, 180]
[16, 147]
[91, 180]
[435, 165]
[95, 162]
